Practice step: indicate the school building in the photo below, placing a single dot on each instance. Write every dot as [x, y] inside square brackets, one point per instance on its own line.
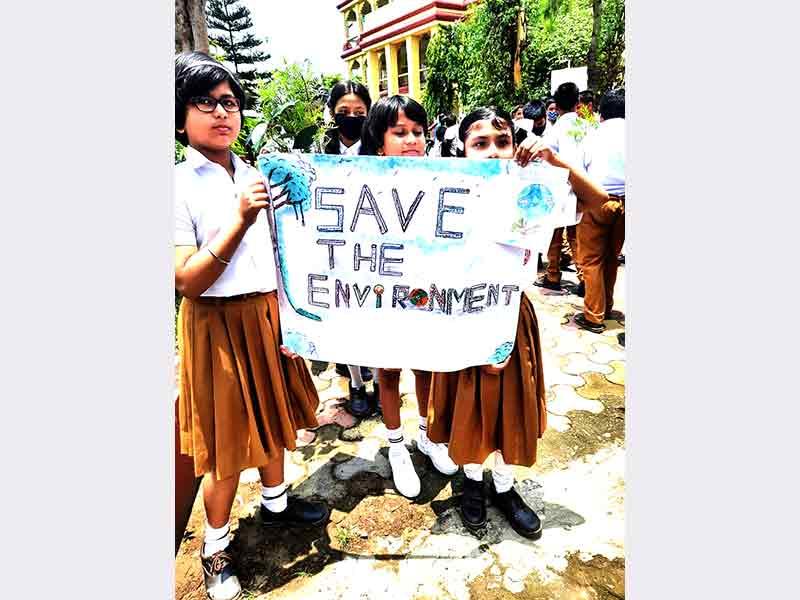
[386, 41]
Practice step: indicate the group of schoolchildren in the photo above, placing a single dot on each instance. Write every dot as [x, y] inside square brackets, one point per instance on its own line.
[243, 395]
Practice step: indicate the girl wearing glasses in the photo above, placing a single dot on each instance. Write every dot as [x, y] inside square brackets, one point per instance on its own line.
[242, 395]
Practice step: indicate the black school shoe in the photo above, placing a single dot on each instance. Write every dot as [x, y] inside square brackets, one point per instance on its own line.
[220, 577]
[518, 514]
[473, 504]
[544, 282]
[318, 366]
[298, 513]
[621, 339]
[580, 290]
[359, 405]
[582, 322]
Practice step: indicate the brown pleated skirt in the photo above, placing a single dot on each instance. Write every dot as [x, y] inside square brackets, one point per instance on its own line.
[477, 414]
[241, 400]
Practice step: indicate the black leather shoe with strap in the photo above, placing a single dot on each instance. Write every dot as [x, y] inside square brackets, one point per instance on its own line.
[473, 504]
[298, 513]
[519, 515]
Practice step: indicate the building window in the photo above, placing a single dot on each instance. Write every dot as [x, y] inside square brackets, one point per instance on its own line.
[352, 26]
[402, 69]
[365, 10]
[383, 85]
[355, 71]
[423, 60]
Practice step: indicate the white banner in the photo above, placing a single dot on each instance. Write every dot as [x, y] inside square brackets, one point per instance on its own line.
[407, 262]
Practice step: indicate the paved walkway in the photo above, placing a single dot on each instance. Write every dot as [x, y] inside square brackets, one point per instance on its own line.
[381, 545]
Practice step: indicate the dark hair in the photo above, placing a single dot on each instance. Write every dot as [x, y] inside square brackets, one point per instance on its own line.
[612, 104]
[534, 110]
[500, 120]
[566, 96]
[343, 88]
[196, 74]
[586, 96]
[549, 100]
[383, 115]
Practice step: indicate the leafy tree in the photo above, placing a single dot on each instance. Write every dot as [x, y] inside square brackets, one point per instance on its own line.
[293, 106]
[446, 70]
[230, 24]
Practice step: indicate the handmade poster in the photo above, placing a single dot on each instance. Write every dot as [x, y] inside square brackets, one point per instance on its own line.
[406, 262]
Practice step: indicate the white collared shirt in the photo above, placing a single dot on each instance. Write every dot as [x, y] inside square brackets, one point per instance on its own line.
[349, 150]
[562, 139]
[206, 202]
[604, 156]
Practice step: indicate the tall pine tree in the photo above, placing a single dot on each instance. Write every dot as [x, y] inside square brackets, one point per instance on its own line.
[229, 25]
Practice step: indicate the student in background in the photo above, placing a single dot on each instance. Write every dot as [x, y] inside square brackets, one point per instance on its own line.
[563, 139]
[601, 232]
[552, 110]
[349, 102]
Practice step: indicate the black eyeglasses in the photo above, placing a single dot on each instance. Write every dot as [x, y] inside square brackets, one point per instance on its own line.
[207, 104]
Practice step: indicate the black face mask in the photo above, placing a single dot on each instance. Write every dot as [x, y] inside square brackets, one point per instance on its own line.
[539, 130]
[349, 127]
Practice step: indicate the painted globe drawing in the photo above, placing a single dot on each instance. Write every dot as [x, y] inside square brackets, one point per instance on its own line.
[418, 297]
[535, 200]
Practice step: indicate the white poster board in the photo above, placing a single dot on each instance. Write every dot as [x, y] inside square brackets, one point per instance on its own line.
[395, 262]
[577, 75]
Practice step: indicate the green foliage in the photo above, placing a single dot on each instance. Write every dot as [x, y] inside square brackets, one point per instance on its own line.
[471, 63]
[293, 105]
[180, 152]
[559, 33]
[229, 24]
[446, 71]
[555, 39]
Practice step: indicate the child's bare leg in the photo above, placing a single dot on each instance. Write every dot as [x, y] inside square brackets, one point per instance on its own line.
[389, 380]
[218, 495]
[272, 473]
[422, 383]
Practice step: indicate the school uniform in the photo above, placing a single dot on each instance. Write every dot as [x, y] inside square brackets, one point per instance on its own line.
[241, 401]
[478, 413]
[601, 232]
[562, 138]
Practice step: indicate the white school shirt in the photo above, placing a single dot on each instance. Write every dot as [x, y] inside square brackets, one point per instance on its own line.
[567, 146]
[206, 202]
[604, 156]
[349, 150]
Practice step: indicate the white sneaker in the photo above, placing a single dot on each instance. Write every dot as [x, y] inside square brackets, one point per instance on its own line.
[438, 454]
[406, 480]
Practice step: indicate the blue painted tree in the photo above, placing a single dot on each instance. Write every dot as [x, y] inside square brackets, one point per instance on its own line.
[289, 180]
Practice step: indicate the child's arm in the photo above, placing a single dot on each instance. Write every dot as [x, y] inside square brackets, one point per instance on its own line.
[591, 195]
[197, 270]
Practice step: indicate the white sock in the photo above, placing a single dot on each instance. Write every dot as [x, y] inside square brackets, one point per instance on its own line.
[396, 442]
[217, 539]
[502, 475]
[473, 471]
[355, 376]
[274, 498]
[423, 430]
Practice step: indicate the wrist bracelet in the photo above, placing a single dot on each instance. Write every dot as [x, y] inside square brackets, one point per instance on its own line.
[222, 260]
